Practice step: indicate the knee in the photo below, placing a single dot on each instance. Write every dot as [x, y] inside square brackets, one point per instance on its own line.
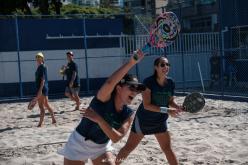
[128, 148]
[123, 154]
[42, 111]
[41, 106]
[109, 161]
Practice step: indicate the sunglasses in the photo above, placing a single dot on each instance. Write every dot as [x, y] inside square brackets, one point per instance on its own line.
[164, 64]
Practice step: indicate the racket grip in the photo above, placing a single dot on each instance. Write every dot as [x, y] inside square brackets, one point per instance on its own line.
[145, 50]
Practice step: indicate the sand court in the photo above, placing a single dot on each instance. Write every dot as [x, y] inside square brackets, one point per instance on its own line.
[216, 135]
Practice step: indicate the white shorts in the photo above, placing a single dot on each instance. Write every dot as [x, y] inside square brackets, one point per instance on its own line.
[77, 148]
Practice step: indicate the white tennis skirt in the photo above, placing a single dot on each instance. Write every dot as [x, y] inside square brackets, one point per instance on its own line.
[77, 148]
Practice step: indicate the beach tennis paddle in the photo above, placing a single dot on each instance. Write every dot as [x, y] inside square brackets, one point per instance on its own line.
[194, 102]
[62, 70]
[32, 103]
[163, 32]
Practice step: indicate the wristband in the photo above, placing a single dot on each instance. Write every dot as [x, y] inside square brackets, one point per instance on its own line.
[164, 109]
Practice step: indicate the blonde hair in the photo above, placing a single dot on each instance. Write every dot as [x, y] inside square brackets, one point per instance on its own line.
[40, 55]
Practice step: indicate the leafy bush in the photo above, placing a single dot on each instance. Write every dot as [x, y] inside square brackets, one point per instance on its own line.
[75, 9]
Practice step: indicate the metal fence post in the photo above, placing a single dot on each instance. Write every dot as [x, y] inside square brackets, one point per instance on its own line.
[131, 53]
[182, 58]
[86, 56]
[181, 37]
[18, 56]
[221, 42]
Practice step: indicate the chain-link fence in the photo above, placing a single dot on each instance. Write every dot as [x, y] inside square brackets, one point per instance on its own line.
[222, 67]
[210, 54]
[230, 63]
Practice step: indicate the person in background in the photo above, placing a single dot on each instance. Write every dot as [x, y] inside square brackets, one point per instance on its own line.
[42, 88]
[72, 80]
[215, 68]
[231, 69]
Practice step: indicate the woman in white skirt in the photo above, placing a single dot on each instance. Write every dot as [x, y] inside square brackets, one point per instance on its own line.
[106, 120]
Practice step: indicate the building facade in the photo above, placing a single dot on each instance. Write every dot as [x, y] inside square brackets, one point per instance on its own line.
[196, 15]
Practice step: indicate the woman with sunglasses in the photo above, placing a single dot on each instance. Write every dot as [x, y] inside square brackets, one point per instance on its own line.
[42, 88]
[152, 114]
[106, 120]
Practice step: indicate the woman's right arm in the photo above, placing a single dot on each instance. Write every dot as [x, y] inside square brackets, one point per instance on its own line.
[146, 95]
[105, 91]
[114, 134]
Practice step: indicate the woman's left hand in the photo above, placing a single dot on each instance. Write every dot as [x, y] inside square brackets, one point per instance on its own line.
[180, 108]
[174, 112]
[90, 114]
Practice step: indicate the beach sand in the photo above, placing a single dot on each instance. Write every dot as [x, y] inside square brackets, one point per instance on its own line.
[216, 135]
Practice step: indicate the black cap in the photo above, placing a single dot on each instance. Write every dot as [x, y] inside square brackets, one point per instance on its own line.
[133, 81]
[70, 53]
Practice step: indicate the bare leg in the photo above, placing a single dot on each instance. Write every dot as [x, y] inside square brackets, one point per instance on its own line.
[106, 159]
[74, 97]
[165, 144]
[49, 109]
[132, 142]
[42, 110]
[70, 96]
[73, 162]
[77, 99]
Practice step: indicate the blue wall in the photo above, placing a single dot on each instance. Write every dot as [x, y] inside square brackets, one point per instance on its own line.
[32, 33]
[32, 36]
[55, 87]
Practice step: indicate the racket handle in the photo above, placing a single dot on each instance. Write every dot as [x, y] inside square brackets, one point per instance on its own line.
[145, 50]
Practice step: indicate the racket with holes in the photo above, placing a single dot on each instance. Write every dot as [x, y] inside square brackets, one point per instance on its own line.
[193, 102]
[163, 32]
[32, 103]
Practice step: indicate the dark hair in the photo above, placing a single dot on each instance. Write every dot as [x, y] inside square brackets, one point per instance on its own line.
[156, 62]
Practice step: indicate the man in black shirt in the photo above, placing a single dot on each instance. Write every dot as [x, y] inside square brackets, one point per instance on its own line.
[72, 80]
[215, 68]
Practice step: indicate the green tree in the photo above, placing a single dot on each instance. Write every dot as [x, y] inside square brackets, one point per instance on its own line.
[11, 6]
[43, 7]
[105, 3]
